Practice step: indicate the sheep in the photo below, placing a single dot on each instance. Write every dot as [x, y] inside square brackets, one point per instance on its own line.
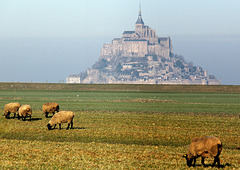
[204, 147]
[11, 108]
[24, 111]
[50, 108]
[61, 117]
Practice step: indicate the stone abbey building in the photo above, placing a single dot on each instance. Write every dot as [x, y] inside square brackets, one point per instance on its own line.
[141, 57]
[139, 43]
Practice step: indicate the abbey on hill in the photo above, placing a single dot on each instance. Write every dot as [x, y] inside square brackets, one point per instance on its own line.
[139, 43]
[141, 57]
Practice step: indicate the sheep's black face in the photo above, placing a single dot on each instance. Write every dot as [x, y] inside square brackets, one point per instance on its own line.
[49, 126]
[7, 115]
[189, 160]
[57, 109]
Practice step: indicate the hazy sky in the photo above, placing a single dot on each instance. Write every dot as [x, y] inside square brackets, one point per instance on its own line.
[46, 40]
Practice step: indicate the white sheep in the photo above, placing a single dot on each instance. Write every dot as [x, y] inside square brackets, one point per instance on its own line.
[11, 108]
[50, 107]
[61, 117]
[24, 111]
[204, 147]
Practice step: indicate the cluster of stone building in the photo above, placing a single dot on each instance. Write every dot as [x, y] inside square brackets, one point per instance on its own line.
[139, 43]
[141, 57]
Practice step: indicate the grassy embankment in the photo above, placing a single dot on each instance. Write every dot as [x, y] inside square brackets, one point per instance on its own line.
[124, 127]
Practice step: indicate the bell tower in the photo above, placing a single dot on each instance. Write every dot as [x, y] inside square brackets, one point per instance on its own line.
[139, 25]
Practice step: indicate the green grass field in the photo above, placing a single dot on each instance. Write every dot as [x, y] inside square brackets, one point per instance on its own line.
[119, 129]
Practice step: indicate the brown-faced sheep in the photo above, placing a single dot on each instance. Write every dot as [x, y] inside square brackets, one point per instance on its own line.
[50, 108]
[11, 108]
[24, 111]
[61, 117]
[204, 147]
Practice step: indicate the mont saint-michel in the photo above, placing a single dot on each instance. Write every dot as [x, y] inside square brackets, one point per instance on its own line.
[141, 57]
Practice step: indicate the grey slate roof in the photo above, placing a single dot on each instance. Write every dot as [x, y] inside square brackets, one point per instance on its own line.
[140, 20]
[136, 40]
[128, 32]
[162, 39]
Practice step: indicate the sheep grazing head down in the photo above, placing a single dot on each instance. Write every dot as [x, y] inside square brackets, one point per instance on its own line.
[61, 117]
[11, 108]
[51, 107]
[208, 146]
[24, 111]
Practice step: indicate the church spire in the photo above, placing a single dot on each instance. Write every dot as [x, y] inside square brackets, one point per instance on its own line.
[140, 20]
[140, 13]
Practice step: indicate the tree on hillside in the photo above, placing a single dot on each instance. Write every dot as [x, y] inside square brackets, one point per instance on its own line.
[179, 64]
[100, 64]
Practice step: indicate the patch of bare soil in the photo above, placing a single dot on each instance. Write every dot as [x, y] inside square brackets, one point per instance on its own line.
[147, 101]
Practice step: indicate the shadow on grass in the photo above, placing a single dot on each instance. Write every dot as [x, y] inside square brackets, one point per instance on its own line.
[34, 119]
[78, 128]
[49, 117]
[11, 118]
[210, 165]
[57, 128]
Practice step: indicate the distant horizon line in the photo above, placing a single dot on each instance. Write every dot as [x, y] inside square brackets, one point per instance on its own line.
[110, 36]
[64, 82]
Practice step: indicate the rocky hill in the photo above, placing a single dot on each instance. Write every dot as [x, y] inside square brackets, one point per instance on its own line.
[146, 70]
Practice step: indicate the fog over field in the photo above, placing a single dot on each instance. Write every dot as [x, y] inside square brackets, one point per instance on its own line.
[53, 59]
[45, 41]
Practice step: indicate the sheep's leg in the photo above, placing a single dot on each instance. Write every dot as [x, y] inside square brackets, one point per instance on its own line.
[46, 114]
[68, 126]
[203, 161]
[14, 115]
[214, 162]
[194, 161]
[30, 117]
[71, 125]
[59, 126]
[54, 126]
[216, 159]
